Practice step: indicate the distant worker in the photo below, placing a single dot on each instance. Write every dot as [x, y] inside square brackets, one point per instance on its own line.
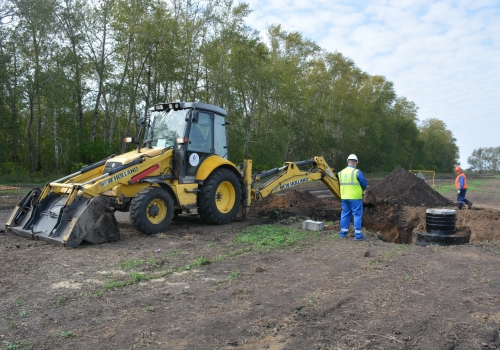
[352, 183]
[461, 185]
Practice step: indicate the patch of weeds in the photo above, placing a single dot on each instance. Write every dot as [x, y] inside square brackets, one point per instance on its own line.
[60, 300]
[12, 325]
[335, 236]
[235, 274]
[64, 334]
[138, 277]
[129, 264]
[173, 253]
[234, 253]
[407, 278]
[21, 345]
[311, 303]
[6, 317]
[18, 301]
[22, 313]
[387, 256]
[490, 282]
[148, 308]
[201, 261]
[271, 236]
[209, 245]
[154, 262]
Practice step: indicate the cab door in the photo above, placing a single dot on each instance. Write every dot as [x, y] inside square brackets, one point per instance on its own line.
[200, 140]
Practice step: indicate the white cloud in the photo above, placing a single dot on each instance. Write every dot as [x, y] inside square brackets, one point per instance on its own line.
[443, 55]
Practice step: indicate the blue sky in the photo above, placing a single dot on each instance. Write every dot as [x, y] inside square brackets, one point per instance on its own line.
[442, 55]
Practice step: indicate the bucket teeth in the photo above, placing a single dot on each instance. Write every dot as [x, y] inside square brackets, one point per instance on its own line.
[90, 220]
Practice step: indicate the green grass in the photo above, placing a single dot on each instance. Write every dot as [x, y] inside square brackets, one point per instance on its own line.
[271, 236]
[477, 185]
[21, 345]
[64, 334]
[129, 264]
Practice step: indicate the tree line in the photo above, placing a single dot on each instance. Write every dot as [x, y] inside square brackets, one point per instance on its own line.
[485, 160]
[75, 76]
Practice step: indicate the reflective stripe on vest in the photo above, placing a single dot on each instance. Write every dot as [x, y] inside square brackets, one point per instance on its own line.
[349, 184]
[457, 181]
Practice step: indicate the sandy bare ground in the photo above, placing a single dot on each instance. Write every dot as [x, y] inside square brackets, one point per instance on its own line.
[195, 287]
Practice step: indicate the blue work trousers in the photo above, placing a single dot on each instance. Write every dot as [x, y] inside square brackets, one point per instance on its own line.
[351, 208]
[461, 198]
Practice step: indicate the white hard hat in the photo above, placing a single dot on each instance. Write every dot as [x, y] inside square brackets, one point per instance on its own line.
[352, 157]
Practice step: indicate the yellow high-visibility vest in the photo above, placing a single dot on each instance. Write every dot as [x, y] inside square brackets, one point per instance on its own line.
[350, 187]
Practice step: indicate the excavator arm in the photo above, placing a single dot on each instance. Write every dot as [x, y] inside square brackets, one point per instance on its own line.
[290, 175]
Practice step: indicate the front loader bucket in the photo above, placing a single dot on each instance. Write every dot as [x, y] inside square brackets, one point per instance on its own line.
[49, 220]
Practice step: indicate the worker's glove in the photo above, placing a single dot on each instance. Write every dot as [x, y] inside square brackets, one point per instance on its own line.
[458, 191]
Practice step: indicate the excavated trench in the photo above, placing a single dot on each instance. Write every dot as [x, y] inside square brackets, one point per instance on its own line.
[402, 201]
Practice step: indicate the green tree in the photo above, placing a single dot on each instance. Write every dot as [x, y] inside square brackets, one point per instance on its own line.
[439, 151]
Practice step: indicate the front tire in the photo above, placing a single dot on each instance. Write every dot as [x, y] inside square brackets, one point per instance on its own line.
[152, 210]
[219, 197]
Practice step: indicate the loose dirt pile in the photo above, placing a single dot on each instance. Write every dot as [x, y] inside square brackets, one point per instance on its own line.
[299, 204]
[403, 188]
[402, 200]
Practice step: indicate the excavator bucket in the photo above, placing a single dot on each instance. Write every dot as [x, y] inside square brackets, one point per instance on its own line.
[84, 220]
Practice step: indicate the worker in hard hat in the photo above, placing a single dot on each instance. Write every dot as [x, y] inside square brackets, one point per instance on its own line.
[461, 185]
[352, 183]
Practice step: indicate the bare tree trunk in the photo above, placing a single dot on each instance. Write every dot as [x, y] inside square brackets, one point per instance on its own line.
[118, 95]
[249, 130]
[146, 107]
[56, 143]
[100, 72]
[30, 136]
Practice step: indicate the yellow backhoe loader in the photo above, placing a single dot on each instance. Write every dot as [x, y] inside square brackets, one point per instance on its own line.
[181, 165]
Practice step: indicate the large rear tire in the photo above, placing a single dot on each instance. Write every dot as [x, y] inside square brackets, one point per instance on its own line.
[219, 197]
[152, 210]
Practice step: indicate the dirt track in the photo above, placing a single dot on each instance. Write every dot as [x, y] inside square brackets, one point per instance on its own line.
[321, 293]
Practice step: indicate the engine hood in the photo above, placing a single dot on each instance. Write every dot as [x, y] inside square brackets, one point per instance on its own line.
[128, 157]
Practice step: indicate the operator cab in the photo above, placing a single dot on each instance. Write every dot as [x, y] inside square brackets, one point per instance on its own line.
[195, 130]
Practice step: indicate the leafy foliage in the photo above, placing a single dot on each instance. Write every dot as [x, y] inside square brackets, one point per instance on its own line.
[75, 76]
[485, 160]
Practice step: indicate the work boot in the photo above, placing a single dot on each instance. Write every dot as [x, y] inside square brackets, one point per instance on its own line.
[469, 205]
[358, 236]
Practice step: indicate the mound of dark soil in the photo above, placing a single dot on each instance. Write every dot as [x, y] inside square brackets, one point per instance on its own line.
[301, 204]
[403, 188]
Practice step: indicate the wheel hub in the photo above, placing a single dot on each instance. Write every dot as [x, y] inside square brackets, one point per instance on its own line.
[154, 210]
[225, 197]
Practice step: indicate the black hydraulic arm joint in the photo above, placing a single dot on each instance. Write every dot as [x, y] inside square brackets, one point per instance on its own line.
[89, 167]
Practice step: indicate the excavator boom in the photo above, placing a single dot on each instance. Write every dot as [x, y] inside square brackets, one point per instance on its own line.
[290, 175]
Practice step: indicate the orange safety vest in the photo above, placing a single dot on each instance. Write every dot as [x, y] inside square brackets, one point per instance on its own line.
[457, 181]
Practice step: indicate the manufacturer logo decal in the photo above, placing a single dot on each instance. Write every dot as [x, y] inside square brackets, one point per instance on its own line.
[119, 176]
[293, 183]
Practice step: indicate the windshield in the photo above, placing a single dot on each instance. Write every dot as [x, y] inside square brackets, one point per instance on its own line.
[165, 127]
